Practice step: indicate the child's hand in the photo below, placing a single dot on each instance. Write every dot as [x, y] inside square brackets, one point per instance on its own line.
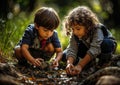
[69, 69]
[37, 62]
[55, 63]
[76, 70]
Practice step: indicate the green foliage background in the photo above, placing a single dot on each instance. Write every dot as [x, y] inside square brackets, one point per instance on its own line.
[13, 28]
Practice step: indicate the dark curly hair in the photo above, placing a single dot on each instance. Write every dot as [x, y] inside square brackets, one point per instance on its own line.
[81, 15]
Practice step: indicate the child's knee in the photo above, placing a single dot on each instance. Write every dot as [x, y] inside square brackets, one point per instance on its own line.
[107, 46]
[17, 52]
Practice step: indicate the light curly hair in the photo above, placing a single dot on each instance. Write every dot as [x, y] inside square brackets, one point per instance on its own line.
[81, 15]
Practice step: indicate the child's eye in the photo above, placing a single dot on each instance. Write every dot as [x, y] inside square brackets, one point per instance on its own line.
[45, 29]
[77, 28]
[52, 30]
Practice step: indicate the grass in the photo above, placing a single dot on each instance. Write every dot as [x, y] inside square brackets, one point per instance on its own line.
[12, 32]
[115, 33]
[14, 29]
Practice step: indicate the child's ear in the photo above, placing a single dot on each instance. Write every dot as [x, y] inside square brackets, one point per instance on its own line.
[36, 26]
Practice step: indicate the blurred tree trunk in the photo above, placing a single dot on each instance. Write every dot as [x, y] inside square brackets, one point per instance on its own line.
[112, 8]
[31, 5]
[116, 12]
[4, 9]
[7, 6]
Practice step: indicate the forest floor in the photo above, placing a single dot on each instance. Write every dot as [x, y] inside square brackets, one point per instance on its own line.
[12, 73]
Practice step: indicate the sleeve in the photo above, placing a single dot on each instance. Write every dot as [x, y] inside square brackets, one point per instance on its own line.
[27, 36]
[95, 48]
[72, 48]
[55, 40]
[109, 34]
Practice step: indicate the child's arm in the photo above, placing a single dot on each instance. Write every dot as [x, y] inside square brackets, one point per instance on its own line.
[70, 65]
[58, 53]
[70, 60]
[58, 56]
[78, 68]
[28, 56]
[84, 61]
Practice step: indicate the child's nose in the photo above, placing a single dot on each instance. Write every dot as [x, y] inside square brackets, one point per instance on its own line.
[49, 33]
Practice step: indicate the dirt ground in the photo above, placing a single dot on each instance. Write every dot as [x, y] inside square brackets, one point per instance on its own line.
[14, 74]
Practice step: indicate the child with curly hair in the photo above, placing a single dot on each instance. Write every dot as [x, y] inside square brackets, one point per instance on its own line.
[89, 39]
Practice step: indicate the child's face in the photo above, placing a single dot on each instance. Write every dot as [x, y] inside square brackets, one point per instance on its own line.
[44, 33]
[79, 30]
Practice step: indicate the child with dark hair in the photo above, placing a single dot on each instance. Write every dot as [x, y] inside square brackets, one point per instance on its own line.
[89, 39]
[40, 40]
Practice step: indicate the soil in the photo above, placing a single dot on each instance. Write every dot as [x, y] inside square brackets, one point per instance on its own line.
[12, 73]
[15, 74]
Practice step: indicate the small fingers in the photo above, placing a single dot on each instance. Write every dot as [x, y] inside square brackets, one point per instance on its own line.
[40, 59]
[37, 62]
[55, 63]
[69, 69]
[74, 72]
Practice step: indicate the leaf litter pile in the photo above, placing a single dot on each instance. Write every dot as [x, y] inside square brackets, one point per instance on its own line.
[15, 74]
